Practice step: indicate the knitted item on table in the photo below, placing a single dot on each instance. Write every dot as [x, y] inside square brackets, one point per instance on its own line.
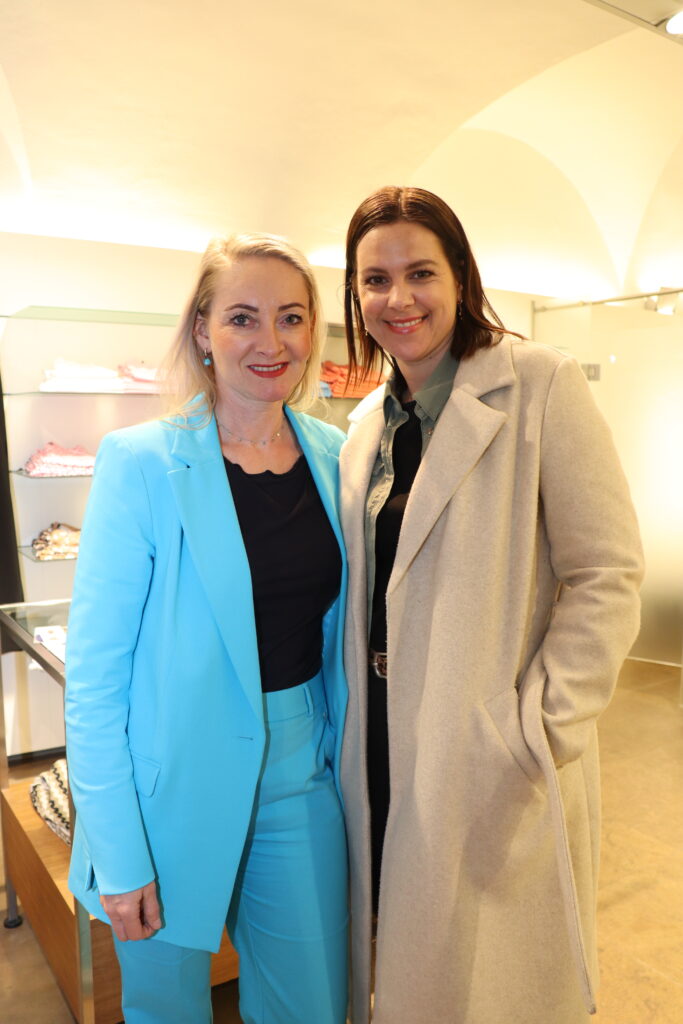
[50, 797]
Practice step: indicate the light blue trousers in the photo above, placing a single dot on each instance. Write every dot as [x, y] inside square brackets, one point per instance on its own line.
[288, 916]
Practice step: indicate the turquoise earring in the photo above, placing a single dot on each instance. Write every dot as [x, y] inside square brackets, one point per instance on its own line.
[207, 358]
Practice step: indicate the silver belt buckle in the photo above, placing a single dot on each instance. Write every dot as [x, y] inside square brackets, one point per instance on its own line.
[378, 663]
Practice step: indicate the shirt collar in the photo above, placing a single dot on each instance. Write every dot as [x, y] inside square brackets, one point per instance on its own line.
[432, 397]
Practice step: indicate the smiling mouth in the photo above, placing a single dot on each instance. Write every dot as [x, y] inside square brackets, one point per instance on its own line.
[275, 370]
[405, 326]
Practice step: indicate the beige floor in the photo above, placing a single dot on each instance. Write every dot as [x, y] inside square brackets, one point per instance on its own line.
[641, 879]
[641, 887]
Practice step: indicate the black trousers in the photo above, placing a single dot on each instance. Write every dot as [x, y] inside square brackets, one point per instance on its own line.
[378, 774]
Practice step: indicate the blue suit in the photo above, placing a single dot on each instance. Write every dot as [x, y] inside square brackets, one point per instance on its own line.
[164, 710]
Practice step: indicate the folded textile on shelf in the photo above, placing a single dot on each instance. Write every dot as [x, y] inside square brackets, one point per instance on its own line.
[79, 377]
[145, 379]
[54, 460]
[58, 540]
[68, 376]
[346, 383]
[50, 798]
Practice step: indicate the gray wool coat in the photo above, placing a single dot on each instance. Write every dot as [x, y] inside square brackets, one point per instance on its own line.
[512, 604]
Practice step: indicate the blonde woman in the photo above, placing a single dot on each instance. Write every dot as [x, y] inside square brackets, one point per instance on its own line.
[205, 691]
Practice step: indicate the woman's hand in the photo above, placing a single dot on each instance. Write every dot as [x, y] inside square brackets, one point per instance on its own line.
[133, 915]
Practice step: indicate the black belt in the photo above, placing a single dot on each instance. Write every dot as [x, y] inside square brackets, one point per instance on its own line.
[378, 663]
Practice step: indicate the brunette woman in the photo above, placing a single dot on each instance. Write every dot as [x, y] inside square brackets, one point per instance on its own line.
[495, 564]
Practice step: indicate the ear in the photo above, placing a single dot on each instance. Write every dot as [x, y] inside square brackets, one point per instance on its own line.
[200, 331]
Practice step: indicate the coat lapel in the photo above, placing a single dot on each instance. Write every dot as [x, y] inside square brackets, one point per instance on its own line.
[356, 462]
[465, 429]
[209, 520]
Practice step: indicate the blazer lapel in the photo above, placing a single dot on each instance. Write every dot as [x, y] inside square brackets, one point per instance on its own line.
[209, 519]
[465, 429]
[324, 466]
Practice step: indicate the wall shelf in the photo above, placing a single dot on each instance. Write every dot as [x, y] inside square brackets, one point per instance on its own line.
[93, 316]
[50, 476]
[27, 551]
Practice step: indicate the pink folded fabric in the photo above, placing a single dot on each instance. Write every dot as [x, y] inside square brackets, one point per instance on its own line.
[54, 460]
[139, 378]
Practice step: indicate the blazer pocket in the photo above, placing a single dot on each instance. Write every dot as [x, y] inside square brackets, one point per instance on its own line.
[90, 880]
[503, 710]
[145, 774]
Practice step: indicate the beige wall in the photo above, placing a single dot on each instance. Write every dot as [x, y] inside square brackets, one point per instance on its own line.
[38, 271]
[640, 392]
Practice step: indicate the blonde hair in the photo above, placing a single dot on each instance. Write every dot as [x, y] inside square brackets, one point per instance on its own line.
[189, 385]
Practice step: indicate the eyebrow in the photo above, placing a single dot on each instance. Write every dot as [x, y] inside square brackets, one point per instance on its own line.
[410, 266]
[255, 309]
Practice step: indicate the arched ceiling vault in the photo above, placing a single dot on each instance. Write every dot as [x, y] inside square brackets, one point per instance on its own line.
[161, 123]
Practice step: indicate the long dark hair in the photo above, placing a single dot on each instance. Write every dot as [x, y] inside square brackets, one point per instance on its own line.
[477, 325]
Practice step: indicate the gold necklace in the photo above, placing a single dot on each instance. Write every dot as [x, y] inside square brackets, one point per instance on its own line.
[248, 440]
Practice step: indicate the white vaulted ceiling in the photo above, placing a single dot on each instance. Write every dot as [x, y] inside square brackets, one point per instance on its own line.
[554, 129]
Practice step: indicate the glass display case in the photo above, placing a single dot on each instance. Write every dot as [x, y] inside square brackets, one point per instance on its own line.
[36, 860]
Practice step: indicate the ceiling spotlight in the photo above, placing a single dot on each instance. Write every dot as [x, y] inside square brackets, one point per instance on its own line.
[674, 25]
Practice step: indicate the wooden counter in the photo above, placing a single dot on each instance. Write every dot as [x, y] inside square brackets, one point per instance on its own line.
[37, 862]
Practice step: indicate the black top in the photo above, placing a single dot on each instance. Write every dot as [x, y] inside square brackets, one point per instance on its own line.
[295, 567]
[406, 454]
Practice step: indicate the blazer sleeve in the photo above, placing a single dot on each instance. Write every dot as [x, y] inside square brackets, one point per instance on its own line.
[113, 576]
[596, 555]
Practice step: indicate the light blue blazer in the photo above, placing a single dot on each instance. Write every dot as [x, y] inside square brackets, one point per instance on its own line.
[164, 711]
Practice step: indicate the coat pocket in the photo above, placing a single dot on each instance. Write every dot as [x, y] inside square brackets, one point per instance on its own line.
[145, 774]
[503, 710]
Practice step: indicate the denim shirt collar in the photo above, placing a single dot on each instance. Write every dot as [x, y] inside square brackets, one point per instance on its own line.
[431, 398]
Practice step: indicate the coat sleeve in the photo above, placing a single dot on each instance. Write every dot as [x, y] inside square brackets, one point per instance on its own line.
[113, 576]
[596, 555]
